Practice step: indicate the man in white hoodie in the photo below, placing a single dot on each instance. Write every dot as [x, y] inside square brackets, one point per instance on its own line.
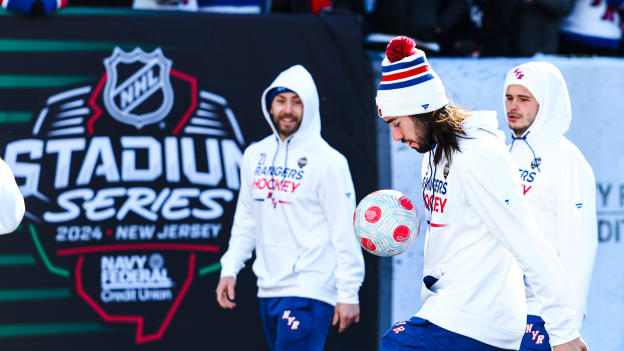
[556, 179]
[295, 208]
[481, 237]
[11, 200]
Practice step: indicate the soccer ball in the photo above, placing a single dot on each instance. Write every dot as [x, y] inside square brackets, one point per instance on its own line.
[386, 223]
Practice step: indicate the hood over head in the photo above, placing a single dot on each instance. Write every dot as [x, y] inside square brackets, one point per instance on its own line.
[547, 85]
[298, 80]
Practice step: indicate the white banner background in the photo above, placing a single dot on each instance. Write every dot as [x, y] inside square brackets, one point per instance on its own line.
[596, 87]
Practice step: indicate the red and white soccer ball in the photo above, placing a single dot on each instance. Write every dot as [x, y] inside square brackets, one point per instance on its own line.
[386, 223]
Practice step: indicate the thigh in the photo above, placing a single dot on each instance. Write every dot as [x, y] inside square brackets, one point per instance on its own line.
[418, 334]
[535, 336]
[303, 324]
[269, 315]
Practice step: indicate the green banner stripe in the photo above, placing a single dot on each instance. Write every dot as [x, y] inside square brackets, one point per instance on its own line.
[16, 259]
[26, 81]
[209, 269]
[52, 268]
[15, 116]
[34, 294]
[33, 45]
[98, 11]
[21, 330]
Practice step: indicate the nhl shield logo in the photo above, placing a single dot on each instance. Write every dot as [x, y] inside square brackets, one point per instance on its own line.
[138, 89]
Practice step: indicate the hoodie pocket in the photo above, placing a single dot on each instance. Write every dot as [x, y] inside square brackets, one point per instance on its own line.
[274, 264]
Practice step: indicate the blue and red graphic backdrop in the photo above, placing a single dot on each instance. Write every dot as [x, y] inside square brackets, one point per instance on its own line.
[125, 131]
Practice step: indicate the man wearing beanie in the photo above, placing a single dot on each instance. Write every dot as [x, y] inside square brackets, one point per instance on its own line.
[557, 181]
[295, 208]
[481, 237]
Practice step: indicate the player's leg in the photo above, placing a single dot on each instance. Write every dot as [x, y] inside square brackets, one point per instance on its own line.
[269, 316]
[535, 335]
[303, 324]
[418, 334]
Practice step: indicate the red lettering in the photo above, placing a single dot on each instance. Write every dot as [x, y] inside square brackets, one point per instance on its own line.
[295, 186]
[442, 204]
[278, 185]
[528, 329]
[256, 183]
[525, 189]
[534, 333]
[436, 202]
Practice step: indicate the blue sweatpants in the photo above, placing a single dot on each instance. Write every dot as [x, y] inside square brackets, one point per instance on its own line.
[535, 336]
[295, 323]
[420, 334]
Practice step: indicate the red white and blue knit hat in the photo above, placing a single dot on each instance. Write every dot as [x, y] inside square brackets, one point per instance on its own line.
[408, 86]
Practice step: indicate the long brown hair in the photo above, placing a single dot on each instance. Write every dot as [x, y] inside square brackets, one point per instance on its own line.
[446, 126]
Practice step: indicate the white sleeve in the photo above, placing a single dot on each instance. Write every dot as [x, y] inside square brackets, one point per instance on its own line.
[11, 200]
[243, 236]
[492, 185]
[577, 228]
[337, 198]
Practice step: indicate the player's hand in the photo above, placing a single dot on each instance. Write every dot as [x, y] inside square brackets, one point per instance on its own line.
[225, 292]
[575, 345]
[345, 314]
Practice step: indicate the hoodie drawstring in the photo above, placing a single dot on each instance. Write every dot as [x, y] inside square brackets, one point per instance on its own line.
[432, 175]
[272, 194]
[535, 162]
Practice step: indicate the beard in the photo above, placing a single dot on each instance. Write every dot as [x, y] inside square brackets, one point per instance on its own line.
[424, 135]
[287, 131]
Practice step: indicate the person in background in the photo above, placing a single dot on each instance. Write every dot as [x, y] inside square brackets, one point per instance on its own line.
[557, 181]
[295, 208]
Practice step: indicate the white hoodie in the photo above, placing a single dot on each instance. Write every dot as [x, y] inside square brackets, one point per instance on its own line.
[479, 242]
[295, 207]
[557, 180]
[11, 200]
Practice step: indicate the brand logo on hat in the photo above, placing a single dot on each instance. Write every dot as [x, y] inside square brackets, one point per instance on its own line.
[518, 73]
[379, 111]
[425, 106]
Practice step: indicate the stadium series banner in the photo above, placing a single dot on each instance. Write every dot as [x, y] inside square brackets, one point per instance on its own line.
[126, 141]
